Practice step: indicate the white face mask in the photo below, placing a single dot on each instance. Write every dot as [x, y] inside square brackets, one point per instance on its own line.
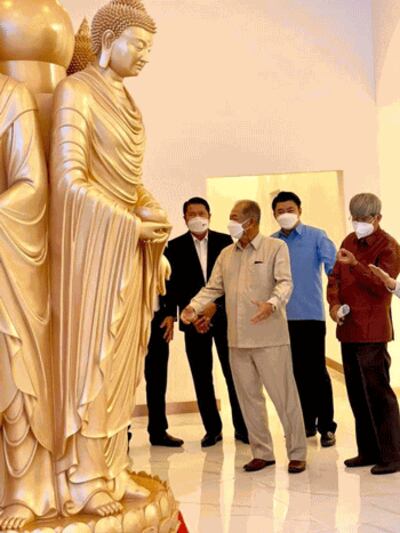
[287, 220]
[198, 224]
[363, 229]
[236, 229]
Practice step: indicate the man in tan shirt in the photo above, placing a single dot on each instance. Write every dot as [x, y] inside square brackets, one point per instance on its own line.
[254, 275]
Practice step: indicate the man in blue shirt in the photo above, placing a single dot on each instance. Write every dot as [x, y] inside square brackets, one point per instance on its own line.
[309, 249]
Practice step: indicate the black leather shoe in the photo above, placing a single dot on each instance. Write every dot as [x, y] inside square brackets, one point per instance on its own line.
[385, 468]
[166, 440]
[243, 438]
[328, 439]
[311, 432]
[357, 462]
[210, 440]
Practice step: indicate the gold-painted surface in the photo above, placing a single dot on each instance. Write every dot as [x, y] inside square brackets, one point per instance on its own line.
[35, 30]
[26, 436]
[83, 51]
[136, 516]
[107, 238]
[106, 270]
[40, 77]
[36, 46]
[117, 16]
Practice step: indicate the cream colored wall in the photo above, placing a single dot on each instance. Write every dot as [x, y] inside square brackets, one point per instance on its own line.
[322, 202]
[387, 66]
[253, 88]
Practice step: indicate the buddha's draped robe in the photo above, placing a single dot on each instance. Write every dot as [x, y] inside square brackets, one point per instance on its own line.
[26, 438]
[103, 280]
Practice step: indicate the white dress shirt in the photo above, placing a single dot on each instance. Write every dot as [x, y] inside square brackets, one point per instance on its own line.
[156, 303]
[202, 252]
[258, 272]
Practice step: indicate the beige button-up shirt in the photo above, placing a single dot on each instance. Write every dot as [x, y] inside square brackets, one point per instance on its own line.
[258, 272]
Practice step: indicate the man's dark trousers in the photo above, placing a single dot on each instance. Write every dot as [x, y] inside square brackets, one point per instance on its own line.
[307, 339]
[199, 353]
[373, 402]
[156, 372]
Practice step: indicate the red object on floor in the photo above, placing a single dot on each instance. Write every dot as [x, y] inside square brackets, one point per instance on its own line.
[182, 528]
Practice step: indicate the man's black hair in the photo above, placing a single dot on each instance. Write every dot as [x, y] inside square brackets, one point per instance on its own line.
[286, 196]
[196, 200]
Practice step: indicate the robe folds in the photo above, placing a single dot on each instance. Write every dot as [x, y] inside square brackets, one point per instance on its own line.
[26, 436]
[104, 278]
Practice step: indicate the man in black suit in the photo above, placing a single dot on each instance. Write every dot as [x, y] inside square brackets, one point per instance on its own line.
[156, 371]
[192, 257]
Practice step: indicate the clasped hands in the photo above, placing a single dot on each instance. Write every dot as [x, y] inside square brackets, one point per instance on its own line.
[202, 322]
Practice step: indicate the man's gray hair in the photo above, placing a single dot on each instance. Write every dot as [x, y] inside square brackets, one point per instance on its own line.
[250, 209]
[365, 205]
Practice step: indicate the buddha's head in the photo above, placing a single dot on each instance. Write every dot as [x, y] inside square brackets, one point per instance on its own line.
[122, 36]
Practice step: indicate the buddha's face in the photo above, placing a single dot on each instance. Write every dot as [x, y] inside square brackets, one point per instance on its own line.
[130, 52]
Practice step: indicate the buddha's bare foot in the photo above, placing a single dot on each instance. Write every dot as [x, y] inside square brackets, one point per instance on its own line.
[15, 517]
[102, 504]
[134, 491]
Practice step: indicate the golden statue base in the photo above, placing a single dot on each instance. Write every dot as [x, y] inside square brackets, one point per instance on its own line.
[156, 514]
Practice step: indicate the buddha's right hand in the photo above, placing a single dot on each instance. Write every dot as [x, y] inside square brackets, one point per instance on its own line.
[151, 214]
[154, 232]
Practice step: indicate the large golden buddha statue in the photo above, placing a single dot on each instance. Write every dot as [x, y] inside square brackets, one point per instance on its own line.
[107, 239]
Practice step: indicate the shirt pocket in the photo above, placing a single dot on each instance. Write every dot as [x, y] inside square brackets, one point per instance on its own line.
[259, 280]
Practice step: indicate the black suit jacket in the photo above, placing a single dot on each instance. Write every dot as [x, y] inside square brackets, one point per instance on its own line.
[187, 276]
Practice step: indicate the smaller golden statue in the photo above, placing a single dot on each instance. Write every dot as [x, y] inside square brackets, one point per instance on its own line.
[26, 438]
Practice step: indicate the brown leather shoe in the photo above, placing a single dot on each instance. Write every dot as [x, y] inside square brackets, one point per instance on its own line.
[257, 464]
[295, 467]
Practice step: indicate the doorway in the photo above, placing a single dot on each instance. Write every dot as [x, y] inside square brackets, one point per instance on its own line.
[323, 206]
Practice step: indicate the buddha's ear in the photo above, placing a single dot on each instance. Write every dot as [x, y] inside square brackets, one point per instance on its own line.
[107, 42]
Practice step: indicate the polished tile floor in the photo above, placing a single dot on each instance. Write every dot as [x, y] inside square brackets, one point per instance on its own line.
[215, 494]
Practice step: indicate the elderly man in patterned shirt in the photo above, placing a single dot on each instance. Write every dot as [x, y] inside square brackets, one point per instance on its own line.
[254, 275]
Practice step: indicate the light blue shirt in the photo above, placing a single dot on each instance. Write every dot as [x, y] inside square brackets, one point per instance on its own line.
[309, 249]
